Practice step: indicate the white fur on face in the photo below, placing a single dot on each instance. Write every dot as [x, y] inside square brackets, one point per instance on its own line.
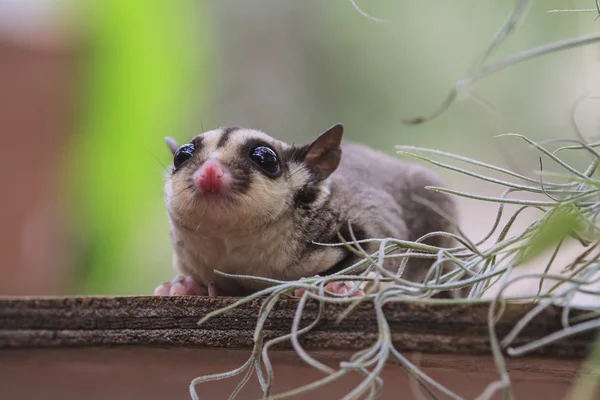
[255, 232]
[262, 202]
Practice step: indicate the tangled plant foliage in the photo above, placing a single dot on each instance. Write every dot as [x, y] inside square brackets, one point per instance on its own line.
[571, 209]
[567, 203]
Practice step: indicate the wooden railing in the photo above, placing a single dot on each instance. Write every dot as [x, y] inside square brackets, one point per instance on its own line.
[151, 347]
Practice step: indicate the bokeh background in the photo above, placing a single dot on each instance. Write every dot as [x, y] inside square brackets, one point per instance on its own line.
[89, 89]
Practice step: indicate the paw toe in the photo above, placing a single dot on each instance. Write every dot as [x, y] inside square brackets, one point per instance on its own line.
[192, 287]
[181, 286]
[343, 288]
[177, 289]
[162, 290]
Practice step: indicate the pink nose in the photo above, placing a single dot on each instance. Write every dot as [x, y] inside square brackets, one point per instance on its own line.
[209, 177]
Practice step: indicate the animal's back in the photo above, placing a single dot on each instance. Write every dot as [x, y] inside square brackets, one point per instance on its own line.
[365, 170]
[389, 192]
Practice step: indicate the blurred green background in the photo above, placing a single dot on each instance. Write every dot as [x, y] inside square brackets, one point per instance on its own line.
[139, 71]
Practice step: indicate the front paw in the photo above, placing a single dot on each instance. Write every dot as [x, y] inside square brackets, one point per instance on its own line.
[184, 286]
[337, 287]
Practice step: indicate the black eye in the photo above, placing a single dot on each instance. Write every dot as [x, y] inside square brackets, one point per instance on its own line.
[266, 159]
[183, 154]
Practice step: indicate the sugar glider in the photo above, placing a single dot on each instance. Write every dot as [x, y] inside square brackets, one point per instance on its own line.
[242, 202]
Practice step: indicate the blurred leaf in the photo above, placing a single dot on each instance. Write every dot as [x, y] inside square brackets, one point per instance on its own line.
[142, 75]
[560, 222]
[587, 386]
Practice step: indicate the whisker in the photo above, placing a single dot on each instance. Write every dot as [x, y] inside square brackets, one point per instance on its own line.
[164, 167]
[201, 217]
[293, 173]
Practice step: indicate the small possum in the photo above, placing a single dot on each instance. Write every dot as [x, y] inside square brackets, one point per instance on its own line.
[241, 202]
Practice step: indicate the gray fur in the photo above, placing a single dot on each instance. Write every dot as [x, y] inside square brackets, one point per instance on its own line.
[375, 192]
[378, 192]
[369, 189]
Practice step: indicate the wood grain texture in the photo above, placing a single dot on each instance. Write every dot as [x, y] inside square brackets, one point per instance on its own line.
[172, 321]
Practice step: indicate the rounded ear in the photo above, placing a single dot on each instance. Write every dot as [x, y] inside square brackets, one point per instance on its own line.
[323, 155]
[172, 144]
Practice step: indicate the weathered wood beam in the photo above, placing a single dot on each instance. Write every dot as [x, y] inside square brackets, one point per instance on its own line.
[428, 328]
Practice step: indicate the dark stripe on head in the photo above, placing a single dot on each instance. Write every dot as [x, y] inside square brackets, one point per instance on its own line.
[294, 154]
[225, 135]
[198, 143]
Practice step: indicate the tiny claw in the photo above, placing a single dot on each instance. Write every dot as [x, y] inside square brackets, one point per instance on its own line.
[212, 289]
